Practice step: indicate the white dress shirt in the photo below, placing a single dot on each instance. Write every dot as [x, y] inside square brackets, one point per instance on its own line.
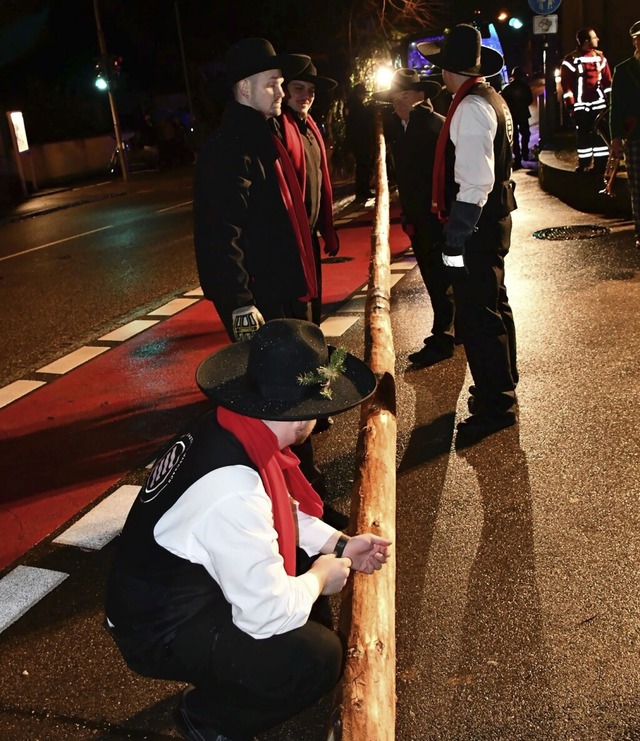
[472, 131]
[224, 522]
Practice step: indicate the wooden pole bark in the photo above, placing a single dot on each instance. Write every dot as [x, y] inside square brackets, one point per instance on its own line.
[366, 698]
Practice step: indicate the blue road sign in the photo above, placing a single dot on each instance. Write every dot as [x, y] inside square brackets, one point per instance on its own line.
[543, 7]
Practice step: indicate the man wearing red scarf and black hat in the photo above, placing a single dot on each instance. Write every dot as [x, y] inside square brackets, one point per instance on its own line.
[473, 196]
[303, 141]
[223, 559]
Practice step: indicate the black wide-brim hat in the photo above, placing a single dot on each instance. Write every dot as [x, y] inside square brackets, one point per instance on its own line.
[250, 56]
[310, 74]
[408, 79]
[462, 52]
[262, 378]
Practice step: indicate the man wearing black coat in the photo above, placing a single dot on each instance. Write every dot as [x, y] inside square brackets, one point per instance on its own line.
[519, 97]
[412, 133]
[250, 245]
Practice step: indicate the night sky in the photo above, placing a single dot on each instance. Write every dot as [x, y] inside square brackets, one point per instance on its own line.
[52, 45]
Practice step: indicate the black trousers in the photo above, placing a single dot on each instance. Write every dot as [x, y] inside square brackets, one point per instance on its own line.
[427, 247]
[521, 136]
[242, 685]
[484, 319]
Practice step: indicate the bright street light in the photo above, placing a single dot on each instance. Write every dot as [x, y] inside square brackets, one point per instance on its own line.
[383, 76]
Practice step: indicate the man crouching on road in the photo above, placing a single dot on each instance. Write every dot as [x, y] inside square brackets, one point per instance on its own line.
[224, 562]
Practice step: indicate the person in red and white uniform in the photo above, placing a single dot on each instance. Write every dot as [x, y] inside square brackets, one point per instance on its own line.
[585, 78]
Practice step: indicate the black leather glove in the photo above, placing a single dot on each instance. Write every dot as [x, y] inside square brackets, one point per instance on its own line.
[461, 225]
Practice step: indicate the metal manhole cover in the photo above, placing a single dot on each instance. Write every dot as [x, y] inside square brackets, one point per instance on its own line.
[336, 259]
[586, 231]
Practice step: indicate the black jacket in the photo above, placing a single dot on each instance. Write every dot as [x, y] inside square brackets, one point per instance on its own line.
[624, 117]
[150, 591]
[413, 152]
[245, 246]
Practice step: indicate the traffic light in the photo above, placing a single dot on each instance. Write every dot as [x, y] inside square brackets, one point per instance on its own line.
[115, 64]
[101, 81]
[106, 75]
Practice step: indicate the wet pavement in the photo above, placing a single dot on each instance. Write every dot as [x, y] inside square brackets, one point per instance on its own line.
[517, 596]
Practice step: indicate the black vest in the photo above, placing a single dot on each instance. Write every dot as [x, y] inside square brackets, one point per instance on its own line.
[151, 591]
[501, 201]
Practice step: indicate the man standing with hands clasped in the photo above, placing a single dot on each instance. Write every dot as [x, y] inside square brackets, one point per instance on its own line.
[473, 195]
[305, 146]
[223, 561]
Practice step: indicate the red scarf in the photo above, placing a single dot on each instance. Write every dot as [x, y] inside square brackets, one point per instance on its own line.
[281, 476]
[294, 202]
[295, 148]
[438, 202]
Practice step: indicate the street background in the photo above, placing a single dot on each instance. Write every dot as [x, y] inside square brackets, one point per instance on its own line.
[517, 559]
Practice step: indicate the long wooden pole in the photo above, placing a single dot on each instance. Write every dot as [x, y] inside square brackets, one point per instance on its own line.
[366, 699]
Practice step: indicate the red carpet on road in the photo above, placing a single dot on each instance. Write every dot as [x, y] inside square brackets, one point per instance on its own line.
[67, 443]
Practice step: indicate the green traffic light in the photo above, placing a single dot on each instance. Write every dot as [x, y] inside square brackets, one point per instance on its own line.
[101, 83]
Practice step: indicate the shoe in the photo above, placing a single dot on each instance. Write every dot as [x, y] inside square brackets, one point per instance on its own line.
[482, 424]
[430, 355]
[334, 518]
[191, 729]
[323, 424]
[473, 405]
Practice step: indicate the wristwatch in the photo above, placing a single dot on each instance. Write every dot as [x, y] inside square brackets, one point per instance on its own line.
[340, 546]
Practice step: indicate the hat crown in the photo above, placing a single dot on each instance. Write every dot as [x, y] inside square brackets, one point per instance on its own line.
[248, 57]
[310, 74]
[310, 69]
[302, 344]
[462, 46]
[248, 49]
[404, 79]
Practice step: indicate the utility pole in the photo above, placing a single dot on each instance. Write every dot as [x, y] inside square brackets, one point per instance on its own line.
[184, 63]
[114, 111]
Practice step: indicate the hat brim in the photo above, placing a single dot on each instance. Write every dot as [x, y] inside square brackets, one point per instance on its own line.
[491, 61]
[428, 87]
[221, 377]
[288, 64]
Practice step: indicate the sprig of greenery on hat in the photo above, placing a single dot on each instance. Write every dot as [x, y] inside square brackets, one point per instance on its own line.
[325, 374]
